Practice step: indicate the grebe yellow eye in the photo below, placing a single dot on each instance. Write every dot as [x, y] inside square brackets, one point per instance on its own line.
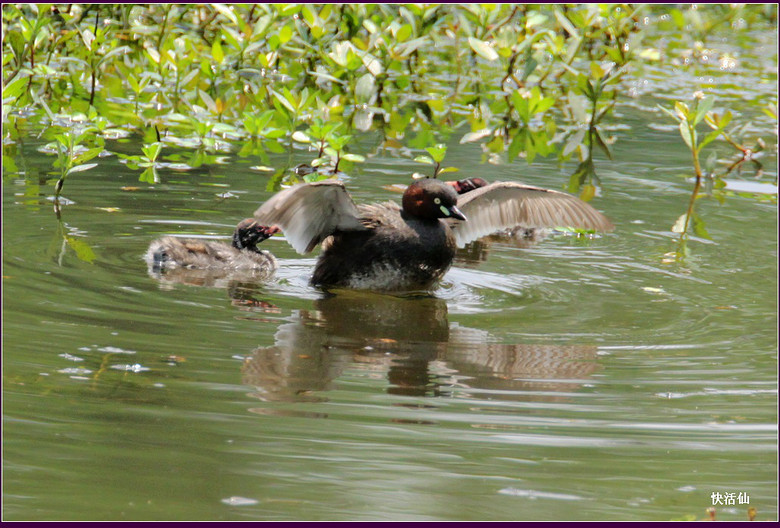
[437, 201]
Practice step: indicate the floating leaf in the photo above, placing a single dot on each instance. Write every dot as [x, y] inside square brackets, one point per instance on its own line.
[83, 251]
[353, 157]
[81, 168]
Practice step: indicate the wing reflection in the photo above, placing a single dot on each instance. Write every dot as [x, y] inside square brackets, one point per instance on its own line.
[477, 251]
[409, 342]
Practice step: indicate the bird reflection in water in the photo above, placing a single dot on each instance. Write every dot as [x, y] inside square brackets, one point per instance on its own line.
[244, 287]
[410, 341]
[407, 339]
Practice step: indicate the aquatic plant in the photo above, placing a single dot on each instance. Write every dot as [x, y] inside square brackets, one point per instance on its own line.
[521, 81]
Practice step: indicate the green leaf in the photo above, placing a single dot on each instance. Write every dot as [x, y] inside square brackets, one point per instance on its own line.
[340, 52]
[528, 68]
[372, 64]
[82, 168]
[437, 152]
[682, 110]
[678, 17]
[586, 87]
[83, 251]
[357, 158]
[425, 159]
[483, 49]
[152, 150]
[403, 33]
[232, 37]
[520, 104]
[283, 100]
[148, 176]
[718, 122]
[685, 132]
[216, 51]
[596, 71]
[285, 34]
[115, 51]
[407, 48]
[565, 23]
[208, 101]
[702, 108]
[87, 155]
[543, 105]
[226, 11]
[308, 16]
[535, 20]
[89, 38]
[709, 138]
[614, 54]
[15, 88]
[517, 145]
[436, 104]
[274, 133]
[669, 112]
[530, 149]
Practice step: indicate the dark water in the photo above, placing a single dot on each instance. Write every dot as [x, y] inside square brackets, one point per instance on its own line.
[575, 379]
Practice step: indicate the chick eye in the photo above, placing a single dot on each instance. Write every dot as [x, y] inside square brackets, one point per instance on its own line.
[437, 201]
